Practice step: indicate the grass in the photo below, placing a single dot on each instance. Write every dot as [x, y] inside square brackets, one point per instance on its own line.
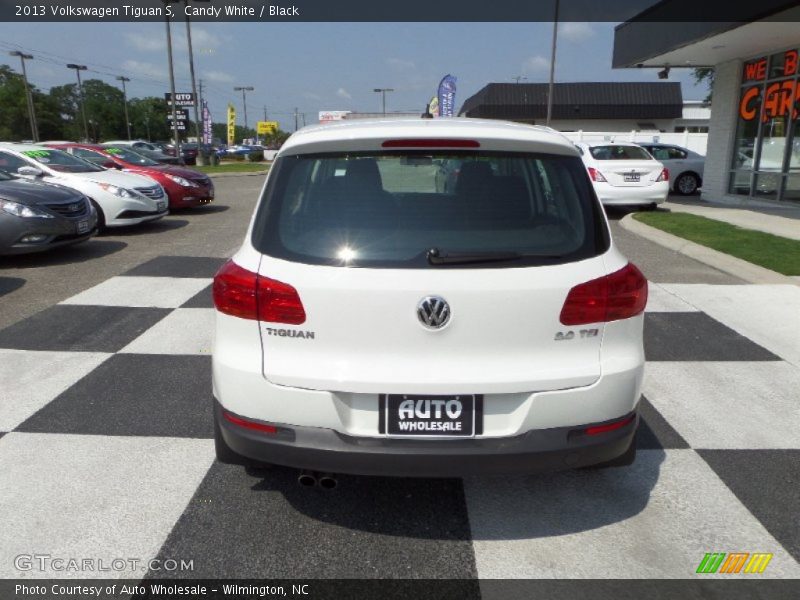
[233, 167]
[766, 250]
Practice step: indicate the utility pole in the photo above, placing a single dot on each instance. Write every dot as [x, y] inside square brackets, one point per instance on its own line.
[265, 114]
[382, 92]
[552, 68]
[172, 88]
[197, 125]
[244, 90]
[28, 95]
[295, 118]
[78, 69]
[125, 103]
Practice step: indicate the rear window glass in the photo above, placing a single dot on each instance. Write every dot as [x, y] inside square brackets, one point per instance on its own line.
[391, 209]
[619, 153]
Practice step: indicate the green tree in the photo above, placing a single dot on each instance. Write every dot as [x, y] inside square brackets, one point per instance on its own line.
[14, 121]
[705, 74]
[149, 118]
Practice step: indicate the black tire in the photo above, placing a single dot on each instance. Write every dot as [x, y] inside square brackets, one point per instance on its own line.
[101, 217]
[625, 459]
[686, 184]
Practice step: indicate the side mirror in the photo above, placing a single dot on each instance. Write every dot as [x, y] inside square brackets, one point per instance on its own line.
[30, 172]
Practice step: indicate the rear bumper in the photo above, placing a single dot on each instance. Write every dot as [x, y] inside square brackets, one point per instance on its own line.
[322, 449]
[611, 195]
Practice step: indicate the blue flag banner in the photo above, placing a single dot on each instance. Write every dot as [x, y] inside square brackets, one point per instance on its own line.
[447, 96]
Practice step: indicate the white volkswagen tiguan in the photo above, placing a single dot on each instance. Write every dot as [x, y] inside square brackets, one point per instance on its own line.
[375, 323]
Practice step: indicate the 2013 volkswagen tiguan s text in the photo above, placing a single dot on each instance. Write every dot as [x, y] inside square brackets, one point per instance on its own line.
[375, 323]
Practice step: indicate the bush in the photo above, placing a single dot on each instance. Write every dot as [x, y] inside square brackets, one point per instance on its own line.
[255, 156]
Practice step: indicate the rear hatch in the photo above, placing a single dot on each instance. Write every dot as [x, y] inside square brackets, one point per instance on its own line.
[366, 236]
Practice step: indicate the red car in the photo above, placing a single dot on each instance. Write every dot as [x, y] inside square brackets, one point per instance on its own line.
[184, 187]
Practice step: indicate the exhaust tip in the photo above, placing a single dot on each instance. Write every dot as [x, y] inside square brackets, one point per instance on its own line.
[307, 479]
[328, 481]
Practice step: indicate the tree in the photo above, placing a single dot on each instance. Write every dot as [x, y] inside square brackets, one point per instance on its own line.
[14, 120]
[149, 118]
[706, 74]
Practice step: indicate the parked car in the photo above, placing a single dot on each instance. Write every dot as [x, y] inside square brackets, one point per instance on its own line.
[184, 187]
[149, 150]
[624, 174]
[37, 216]
[686, 166]
[364, 328]
[119, 198]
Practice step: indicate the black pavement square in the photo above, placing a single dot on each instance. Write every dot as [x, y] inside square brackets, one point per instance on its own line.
[81, 328]
[683, 336]
[767, 482]
[262, 524]
[178, 266]
[654, 432]
[134, 394]
[201, 299]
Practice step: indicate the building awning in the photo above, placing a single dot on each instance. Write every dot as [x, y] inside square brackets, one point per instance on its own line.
[590, 100]
[758, 28]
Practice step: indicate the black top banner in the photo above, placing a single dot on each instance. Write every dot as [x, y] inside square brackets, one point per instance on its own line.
[406, 11]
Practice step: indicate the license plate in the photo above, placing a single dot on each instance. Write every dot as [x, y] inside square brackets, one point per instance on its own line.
[83, 226]
[430, 416]
[631, 177]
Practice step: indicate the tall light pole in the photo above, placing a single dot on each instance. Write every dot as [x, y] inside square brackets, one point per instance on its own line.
[197, 125]
[244, 90]
[28, 95]
[552, 68]
[382, 92]
[125, 103]
[175, 135]
[78, 69]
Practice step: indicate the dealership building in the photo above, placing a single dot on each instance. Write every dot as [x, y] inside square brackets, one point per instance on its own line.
[753, 150]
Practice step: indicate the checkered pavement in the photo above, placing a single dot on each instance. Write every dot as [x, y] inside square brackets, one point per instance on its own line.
[106, 451]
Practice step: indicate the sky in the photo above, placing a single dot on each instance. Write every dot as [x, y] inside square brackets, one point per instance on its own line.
[321, 66]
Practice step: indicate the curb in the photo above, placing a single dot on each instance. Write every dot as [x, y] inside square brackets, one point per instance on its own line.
[713, 258]
[243, 174]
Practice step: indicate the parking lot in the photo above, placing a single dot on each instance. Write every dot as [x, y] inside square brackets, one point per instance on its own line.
[106, 435]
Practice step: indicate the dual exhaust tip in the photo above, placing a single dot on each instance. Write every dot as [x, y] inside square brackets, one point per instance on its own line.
[309, 479]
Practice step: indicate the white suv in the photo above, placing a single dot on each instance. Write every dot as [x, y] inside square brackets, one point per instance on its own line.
[375, 323]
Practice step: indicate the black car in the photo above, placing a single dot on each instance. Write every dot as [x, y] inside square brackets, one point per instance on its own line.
[36, 216]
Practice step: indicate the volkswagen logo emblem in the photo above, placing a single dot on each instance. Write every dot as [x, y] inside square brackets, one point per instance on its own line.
[433, 312]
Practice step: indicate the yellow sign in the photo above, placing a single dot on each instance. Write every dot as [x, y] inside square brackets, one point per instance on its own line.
[231, 124]
[266, 127]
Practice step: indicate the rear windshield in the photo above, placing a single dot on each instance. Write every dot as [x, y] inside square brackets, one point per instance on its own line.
[619, 153]
[391, 209]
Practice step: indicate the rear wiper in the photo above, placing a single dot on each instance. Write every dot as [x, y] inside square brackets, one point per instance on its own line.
[435, 257]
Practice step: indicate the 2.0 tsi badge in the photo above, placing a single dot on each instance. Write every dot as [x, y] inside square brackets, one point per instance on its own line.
[433, 312]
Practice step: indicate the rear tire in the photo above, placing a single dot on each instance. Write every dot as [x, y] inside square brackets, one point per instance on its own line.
[686, 184]
[625, 459]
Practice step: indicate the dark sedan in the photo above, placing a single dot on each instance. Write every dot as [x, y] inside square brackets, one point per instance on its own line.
[36, 216]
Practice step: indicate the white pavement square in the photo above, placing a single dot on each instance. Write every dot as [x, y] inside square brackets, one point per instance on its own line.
[655, 519]
[728, 405]
[769, 315]
[93, 497]
[183, 331]
[30, 380]
[156, 292]
[660, 300]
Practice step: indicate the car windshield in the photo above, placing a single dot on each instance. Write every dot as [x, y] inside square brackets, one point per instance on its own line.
[61, 161]
[131, 157]
[419, 210]
[615, 152]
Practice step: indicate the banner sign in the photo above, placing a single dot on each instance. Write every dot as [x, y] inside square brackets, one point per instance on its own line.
[447, 96]
[433, 106]
[266, 127]
[180, 115]
[231, 124]
[780, 99]
[181, 99]
[207, 135]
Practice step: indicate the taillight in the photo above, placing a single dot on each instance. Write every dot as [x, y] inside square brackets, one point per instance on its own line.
[664, 175]
[596, 175]
[620, 295]
[247, 295]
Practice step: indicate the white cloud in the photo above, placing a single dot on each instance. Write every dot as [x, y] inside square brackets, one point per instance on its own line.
[311, 96]
[218, 76]
[535, 64]
[146, 43]
[145, 68]
[575, 31]
[203, 42]
[343, 93]
[400, 64]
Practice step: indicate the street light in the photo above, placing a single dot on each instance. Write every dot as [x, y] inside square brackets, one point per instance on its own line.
[382, 92]
[28, 96]
[244, 90]
[78, 69]
[518, 78]
[175, 135]
[552, 67]
[125, 103]
[200, 160]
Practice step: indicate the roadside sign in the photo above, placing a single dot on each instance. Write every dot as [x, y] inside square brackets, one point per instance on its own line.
[266, 127]
[231, 124]
[181, 99]
[180, 114]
